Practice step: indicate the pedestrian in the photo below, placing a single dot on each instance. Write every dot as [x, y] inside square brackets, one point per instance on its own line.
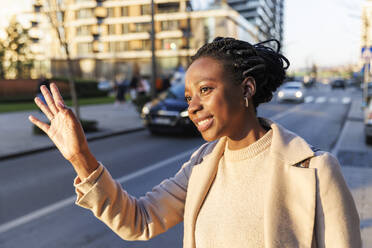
[121, 89]
[252, 184]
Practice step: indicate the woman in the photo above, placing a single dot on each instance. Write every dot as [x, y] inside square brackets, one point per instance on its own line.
[253, 184]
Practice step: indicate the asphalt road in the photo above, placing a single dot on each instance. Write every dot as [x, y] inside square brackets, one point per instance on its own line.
[36, 196]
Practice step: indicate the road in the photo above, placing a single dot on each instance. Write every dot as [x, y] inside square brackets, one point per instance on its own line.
[36, 196]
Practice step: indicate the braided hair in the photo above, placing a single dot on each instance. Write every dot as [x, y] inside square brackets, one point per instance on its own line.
[242, 59]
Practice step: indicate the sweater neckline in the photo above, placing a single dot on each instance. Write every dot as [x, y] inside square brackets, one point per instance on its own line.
[250, 151]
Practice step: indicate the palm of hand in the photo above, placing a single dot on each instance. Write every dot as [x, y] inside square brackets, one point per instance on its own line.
[65, 130]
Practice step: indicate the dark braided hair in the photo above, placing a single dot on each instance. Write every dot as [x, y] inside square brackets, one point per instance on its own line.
[242, 59]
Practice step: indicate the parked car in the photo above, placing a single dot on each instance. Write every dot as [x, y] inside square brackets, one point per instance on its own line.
[292, 91]
[338, 83]
[168, 112]
[106, 86]
[368, 122]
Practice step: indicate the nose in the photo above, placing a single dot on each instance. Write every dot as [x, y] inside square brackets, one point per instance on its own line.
[194, 105]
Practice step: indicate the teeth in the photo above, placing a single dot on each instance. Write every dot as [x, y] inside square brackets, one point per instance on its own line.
[203, 122]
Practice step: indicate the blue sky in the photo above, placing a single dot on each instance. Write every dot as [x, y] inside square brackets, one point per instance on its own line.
[324, 32]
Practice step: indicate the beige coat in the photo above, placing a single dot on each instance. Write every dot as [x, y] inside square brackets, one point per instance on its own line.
[304, 207]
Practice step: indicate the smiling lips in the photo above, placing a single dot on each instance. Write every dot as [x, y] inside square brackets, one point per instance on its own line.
[204, 124]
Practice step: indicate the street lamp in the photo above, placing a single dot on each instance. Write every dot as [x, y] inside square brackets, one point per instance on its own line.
[100, 13]
[153, 57]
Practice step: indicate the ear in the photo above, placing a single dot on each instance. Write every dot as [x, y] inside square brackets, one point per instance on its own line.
[249, 87]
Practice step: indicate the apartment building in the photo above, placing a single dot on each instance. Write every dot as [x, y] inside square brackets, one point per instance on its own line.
[107, 38]
[266, 15]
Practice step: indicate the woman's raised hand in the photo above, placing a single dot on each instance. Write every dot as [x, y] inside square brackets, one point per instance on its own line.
[65, 131]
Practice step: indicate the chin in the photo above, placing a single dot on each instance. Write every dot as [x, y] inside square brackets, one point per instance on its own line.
[210, 136]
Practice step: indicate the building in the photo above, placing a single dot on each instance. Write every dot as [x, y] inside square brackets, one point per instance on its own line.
[366, 39]
[265, 15]
[107, 38]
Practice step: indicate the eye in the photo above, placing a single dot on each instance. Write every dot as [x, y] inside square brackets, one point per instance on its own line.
[205, 89]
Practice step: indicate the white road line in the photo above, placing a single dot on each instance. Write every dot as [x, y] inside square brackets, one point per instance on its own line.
[320, 99]
[309, 99]
[346, 100]
[282, 114]
[340, 138]
[70, 200]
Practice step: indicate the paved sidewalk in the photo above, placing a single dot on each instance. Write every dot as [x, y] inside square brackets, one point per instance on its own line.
[16, 135]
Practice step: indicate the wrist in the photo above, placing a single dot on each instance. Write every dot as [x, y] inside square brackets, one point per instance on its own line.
[84, 164]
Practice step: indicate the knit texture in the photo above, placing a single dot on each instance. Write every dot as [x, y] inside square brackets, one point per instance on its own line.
[235, 200]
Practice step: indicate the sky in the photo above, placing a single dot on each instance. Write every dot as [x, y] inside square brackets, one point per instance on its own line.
[321, 32]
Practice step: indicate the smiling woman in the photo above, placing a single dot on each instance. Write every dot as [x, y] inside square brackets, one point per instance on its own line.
[252, 184]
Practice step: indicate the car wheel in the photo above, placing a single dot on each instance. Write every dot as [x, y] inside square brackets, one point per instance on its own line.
[153, 131]
[368, 140]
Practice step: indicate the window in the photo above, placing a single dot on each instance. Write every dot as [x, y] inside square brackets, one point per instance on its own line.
[125, 28]
[124, 11]
[84, 13]
[146, 9]
[111, 29]
[122, 46]
[169, 25]
[84, 48]
[143, 27]
[146, 44]
[110, 12]
[168, 7]
[83, 30]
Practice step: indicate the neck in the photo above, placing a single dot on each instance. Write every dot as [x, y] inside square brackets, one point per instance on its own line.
[252, 132]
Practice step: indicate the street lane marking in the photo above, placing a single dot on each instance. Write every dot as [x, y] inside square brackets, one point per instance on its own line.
[346, 100]
[70, 200]
[282, 114]
[320, 99]
[309, 99]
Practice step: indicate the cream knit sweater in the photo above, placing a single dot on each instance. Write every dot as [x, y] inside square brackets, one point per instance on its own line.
[236, 199]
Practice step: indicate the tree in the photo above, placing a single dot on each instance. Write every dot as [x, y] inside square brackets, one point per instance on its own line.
[56, 14]
[15, 54]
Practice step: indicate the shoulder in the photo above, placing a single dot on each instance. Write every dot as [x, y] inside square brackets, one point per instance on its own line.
[201, 152]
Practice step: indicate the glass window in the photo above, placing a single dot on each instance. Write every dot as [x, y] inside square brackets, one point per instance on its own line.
[146, 9]
[84, 13]
[110, 12]
[83, 30]
[125, 28]
[111, 29]
[168, 7]
[122, 46]
[143, 27]
[124, 11]
[84, 48]
[169, 25]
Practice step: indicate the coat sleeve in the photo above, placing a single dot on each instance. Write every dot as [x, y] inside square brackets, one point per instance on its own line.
[142, 218]
[337, 220]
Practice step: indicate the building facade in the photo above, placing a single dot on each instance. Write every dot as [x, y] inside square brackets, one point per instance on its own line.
[107, 38]
[265, 15]
[366, 40]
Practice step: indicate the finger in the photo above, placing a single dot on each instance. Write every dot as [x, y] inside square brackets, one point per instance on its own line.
[43, 126]
[49, 99]
[56, 95]
[44, 108]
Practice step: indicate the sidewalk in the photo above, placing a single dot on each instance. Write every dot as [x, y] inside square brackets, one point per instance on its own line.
[356, 162]
[16, 137]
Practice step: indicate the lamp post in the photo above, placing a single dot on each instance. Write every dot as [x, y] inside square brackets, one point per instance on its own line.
[153, 55]
[100, 13]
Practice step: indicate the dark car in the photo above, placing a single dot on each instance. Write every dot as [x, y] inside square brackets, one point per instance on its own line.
[168, 112]
[338, 83]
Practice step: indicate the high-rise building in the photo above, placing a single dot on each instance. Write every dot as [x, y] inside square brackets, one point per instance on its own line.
[108, 37]
[266, 15]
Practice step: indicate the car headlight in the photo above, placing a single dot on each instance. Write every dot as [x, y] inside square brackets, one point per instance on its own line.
[184, 113]
[280, 94]
[298, 94]
[146, 108]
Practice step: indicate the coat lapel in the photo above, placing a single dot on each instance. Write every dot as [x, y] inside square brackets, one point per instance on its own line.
[290, 200]
[200, 182]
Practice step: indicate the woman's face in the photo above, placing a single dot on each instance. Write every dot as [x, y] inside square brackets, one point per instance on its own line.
[216, 106]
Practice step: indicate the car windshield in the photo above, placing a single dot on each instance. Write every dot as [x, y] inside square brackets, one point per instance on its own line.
[292, 87]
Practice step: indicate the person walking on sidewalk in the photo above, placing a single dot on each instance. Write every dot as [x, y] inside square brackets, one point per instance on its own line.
[252, 184]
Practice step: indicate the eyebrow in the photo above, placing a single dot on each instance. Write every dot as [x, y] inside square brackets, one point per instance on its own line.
[201, 80]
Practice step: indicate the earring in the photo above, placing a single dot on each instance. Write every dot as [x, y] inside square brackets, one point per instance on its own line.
[246, 102]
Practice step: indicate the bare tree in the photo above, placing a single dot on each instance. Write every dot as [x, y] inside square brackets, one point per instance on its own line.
[56, 13]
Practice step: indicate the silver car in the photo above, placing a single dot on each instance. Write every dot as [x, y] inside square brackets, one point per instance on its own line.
[291, 91]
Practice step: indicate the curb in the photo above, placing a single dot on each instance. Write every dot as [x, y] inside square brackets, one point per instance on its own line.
[52, 147]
